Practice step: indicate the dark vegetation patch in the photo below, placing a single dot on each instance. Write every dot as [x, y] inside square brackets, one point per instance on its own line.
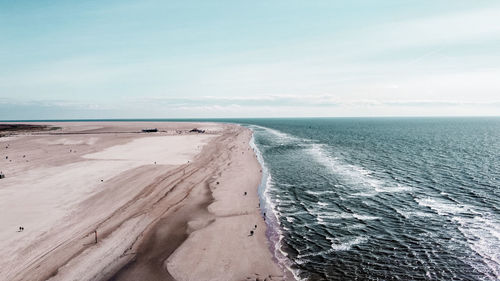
[10, 128]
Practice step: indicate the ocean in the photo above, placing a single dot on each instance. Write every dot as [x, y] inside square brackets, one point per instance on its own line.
[382, 198]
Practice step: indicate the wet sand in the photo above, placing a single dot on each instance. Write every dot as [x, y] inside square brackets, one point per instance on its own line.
[168, 205]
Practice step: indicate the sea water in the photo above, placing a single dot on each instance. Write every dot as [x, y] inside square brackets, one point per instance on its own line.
[384, 198]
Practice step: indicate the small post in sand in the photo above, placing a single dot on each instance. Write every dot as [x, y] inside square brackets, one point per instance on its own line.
[95, 235]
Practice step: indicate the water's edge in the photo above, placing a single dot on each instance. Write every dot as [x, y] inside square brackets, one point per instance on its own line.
[273, 231]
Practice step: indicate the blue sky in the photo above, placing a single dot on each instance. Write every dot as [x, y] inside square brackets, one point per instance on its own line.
[181, 59]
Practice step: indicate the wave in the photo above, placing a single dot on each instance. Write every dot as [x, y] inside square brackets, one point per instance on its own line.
[324, 192]
[279, 137]
[481, 234]
[441, 206]
[322, 217]
[272, 220]
[358, 177]
[337, 246]
[365, 217]
[346, 246]
[408, 214]
[483, 237]
[354, 174]
[393, 189]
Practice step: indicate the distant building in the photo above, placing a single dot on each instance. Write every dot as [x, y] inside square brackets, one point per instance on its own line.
[150, 130]
[195, 130]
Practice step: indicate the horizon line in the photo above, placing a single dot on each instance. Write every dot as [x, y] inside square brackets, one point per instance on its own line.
[239, 118]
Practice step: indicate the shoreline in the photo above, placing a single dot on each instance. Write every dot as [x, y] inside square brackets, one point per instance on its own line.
[183, 214]
[274, 233]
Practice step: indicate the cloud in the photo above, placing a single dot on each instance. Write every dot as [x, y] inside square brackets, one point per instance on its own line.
[440, 103]
[12, 109]
[70, 104]
[303, 101]
[266, 100]
[414, 35]
[214, 103]
[325, 105]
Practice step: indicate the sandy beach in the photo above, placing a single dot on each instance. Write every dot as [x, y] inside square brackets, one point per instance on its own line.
[167, 205]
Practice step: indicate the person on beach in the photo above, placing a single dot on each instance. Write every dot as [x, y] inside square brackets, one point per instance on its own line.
[251, 233]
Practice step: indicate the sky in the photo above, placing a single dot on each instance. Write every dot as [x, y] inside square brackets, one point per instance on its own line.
[219, 59]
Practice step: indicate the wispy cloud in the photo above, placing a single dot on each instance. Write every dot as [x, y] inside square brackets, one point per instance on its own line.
[268, 106]
[416, 35]
[301, 101]
[274, 100]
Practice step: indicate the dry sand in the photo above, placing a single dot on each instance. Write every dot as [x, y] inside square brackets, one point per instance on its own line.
[166, 206]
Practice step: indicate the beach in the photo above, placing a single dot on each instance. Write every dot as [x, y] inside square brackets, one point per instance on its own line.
[106, 201]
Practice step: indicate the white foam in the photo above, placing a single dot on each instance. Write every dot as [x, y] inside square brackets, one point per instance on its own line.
[301, 261]
[320, 253]
[483, 237]
[441, 206]
[320, 221]
[280, 137]
[335, 216]
[277, 239]
[341, 216]
[346, 246]
[481, 232]
[324, 192]
[294, 214]
[365, 217]
[364, 194]
[392, 189]
[356, 226]
[335, 247]
[309, 224]
[360, 178]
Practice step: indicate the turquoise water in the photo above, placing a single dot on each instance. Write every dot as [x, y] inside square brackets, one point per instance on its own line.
[382, 198]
